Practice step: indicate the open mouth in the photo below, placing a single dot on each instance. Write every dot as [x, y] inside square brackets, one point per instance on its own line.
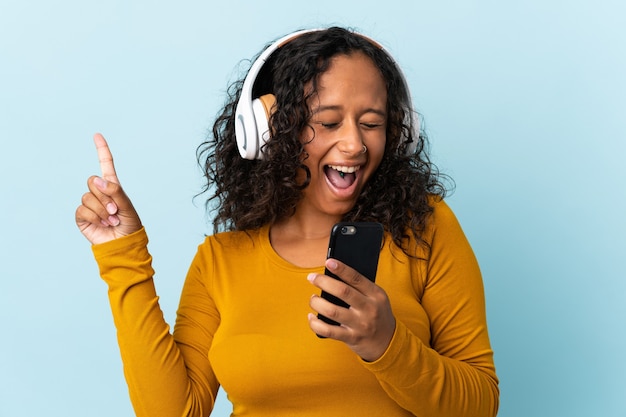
[341, 177]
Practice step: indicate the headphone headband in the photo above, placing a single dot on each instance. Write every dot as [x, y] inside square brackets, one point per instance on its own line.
[251, 114]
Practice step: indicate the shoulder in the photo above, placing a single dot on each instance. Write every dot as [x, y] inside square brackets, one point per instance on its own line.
[442, 213]
[233, 240]
[440, 225]
[445, 234]
[229, 248]
[442, 219]
[441, 230]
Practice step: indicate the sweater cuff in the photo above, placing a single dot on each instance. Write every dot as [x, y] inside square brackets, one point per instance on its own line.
[124, 261]
[122, 244]
[396, 351]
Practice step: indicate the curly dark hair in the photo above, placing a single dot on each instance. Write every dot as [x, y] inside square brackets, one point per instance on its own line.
[399, 193]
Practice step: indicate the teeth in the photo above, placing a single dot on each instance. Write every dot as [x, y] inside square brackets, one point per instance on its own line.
[345, 170]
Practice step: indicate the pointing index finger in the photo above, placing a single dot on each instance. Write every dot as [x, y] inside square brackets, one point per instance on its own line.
[105, 158]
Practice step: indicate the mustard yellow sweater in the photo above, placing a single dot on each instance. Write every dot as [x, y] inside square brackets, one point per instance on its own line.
[242, 324]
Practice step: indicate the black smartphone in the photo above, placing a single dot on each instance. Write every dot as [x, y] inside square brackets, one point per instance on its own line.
[357, 244]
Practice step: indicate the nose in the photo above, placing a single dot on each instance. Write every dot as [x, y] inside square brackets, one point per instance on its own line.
[351, 141]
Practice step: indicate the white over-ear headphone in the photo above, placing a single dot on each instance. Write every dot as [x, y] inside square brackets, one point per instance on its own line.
[252, 114]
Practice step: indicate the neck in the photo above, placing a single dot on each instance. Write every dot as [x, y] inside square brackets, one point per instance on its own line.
[302, 239]
[307, 225]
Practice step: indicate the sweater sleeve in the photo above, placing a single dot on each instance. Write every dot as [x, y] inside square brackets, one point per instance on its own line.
[165, 377]
[455, 375]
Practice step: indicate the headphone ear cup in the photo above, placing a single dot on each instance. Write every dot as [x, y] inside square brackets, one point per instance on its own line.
[262, 108]
[246, 131]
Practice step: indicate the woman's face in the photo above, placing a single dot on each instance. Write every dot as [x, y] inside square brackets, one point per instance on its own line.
[349, 113]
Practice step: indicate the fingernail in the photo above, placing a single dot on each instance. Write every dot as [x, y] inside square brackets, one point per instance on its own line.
[100, 183]
[111, 208]
[331, 264]
[310, 277]
[114, 220]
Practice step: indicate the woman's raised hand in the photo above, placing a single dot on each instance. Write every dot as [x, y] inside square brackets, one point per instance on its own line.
[106, 213]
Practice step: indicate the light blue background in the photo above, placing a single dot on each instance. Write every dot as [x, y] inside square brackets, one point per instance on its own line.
[524, 103]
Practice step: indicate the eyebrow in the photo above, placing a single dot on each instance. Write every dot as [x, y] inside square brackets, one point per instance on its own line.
[319, 109]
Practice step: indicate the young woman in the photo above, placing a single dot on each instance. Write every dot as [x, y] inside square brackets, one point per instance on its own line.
[341, 144]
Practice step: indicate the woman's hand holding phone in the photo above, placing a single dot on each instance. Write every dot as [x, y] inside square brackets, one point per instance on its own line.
[106, 213]
[367, 326]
